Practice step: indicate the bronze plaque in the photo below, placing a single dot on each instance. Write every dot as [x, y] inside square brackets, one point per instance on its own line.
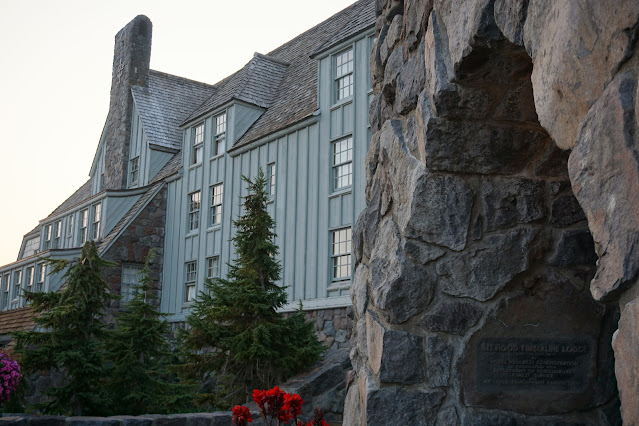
[520, 364]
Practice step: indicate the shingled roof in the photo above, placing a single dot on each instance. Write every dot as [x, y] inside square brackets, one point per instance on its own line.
[20, 319]
[285, 80]
[163, 105]
[81, 194]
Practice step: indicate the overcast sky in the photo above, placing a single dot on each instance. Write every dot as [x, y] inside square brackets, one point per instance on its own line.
[55, 77]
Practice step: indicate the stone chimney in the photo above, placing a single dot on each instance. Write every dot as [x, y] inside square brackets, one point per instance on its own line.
[131, 59]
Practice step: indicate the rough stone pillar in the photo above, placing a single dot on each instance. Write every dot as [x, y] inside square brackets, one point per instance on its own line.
[131, 59]
[475, 255]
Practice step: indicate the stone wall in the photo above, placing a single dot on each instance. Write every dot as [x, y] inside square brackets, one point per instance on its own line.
[332, 326]
[485, 237]
[144, 233]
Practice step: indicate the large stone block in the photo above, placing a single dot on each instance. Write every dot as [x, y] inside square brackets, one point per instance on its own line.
[510, 201]
[452, 316]
[626, 346]
[483, 270]
[394, 356]
[604, 170]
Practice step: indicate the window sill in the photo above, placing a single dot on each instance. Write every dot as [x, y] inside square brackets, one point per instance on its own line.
[192, 233]
[342, 102]
[187, 305]
[340, 192]
[340, 285]
[218, 156]
[270, 200]
[195, 166]
[215, 227]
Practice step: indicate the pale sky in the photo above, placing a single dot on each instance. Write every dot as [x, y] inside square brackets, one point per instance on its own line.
[55, 77]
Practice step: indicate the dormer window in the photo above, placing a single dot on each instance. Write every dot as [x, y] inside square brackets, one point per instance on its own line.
[57, 232]
[97, 218]
[134, 168]
[344, 74]
[198, 143]
[47, 237]
[220, 134]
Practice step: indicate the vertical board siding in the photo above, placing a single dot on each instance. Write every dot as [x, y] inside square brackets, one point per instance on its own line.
[245, 116]
[115, 210]
[158, 159]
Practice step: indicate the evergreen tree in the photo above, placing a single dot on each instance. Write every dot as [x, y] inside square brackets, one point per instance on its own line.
[234, 331]
[139, 378]
[69, 334]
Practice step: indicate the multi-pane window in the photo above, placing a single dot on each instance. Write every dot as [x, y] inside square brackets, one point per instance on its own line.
[41, 271]
[344, 74]
[57, 233]
[190, 280]
[134, 167]
[97, 217]
[17, 281]
[198, 143]
[212, 267]
[5, 291]
[70, 226]
[216, 203]
[30, 277]
[47, 237]
[341, 254]
[84, 225]
[343, 163]
[271, 179]
[220, 134]
[131, 275]
[194, 210]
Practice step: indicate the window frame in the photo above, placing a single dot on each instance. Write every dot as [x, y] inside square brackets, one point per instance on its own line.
[47, 236]
[217, 202]
[17, 286]
[30, 276]
[57, 226]
[213, 270]
[339, 76]
[190, 281]
[197, 143]
[219, 141]
[194, 208]
[127, 296]
[272, 179]
[41, 271]
[6, 284]
[347, 164]
[337, 257]
[97, 221]
[84, 226]
[134, 171]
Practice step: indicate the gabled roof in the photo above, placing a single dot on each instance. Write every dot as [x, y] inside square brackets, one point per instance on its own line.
[285, 80]
[81, 194]
[256, 83]
[163, 105]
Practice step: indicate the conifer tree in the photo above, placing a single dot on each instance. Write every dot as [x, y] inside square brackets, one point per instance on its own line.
[69, 334]
[140, 380]
[235, 333]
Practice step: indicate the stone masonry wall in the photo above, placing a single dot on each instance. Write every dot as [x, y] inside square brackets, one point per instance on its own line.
[144, 233]
[502, 217]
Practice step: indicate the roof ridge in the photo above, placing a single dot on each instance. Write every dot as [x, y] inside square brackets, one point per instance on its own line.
[177, 77]
[270, 58]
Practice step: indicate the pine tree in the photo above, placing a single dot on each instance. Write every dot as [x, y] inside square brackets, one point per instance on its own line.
[235, 333]
[69, 333]
[140, 380]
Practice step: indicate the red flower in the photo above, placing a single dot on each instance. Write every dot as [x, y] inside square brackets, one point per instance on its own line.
[241, 415]
[293, 404]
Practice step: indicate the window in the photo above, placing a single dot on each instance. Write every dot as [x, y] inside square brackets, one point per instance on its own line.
[191, 277]
[5, 291]
[97, 216]
[17, 281]
[220, 134]
[216, 203]
[344, 74]
[102, 181]
[271, 180]
[134, 168]
[57, 233]
[343, 163]
[194, 210]
[212, 267]
[84, 224]
[131, 275]
[198, 143]
[47, 237]
[30, 276]
[70, 229]
[341, 254]
[41, 271]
